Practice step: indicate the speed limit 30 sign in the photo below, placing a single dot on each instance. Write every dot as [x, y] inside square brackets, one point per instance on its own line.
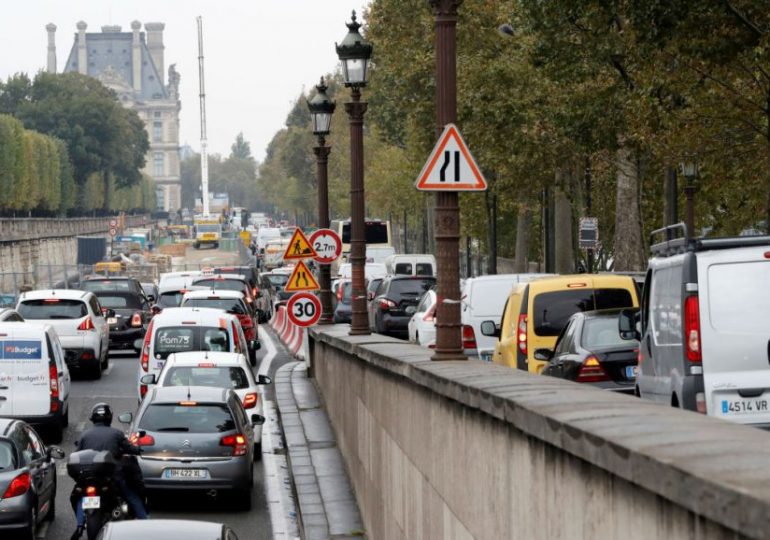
[327, 245]
[304, 309]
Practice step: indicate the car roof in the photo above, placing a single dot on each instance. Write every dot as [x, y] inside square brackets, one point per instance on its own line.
[174, 394]
[25, 328]
[157, 529]
[220, 277]
[581, 281]
[109, 278]
[401, 277]
[196, 357]
[176, 315]
[205, 293]
[66, 294]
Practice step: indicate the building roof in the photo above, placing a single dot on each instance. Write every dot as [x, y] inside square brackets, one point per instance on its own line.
[109, 59]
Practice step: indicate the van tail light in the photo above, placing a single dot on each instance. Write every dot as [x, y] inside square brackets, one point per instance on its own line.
[469, 337]
[430, 315]
[143, 390]
[386, 304]
[87, 324]
[700, 402]
[237, 442]
[521, 334]
[145, 440]
[692, 328]
[250, 400]
[136, 320]
[591, 371]
[146, 350]
[245, 321]
[18, 486]
[53, 377]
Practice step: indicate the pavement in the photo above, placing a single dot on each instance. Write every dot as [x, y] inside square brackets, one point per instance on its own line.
[326, 501]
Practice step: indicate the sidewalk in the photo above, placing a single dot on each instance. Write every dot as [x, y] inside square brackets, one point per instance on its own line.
[327, 505]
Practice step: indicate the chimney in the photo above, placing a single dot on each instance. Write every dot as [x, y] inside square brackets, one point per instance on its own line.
[136, 56]
[51, 65]
[155, 46]
[82, 50]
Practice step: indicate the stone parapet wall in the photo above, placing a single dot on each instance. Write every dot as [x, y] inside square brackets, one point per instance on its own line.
[20, 229]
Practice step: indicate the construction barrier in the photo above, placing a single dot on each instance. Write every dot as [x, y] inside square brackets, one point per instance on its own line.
[292, 336]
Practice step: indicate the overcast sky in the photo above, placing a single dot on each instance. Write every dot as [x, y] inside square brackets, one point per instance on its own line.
[259, 54]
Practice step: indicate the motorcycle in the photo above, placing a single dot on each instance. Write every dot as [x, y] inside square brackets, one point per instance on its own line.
[93, 472]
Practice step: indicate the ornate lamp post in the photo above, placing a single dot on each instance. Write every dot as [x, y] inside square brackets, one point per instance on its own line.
[321, 110]
[689, 169]
[354, 53]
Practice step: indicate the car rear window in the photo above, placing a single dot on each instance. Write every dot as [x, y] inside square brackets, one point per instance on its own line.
[551, 310]
[739, 297]
[277, 280]
[602, 332]
[218, 376]
[53, 308]
[222, 284]
[227, 304]
[7, 456]
[410, 287]
[106, 285]
[487, 298]
[200, 418]
[424, 269]
[123, 301]
[171, 299]
[173, 339]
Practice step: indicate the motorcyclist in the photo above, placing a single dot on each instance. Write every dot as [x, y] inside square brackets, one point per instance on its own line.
[103, 437]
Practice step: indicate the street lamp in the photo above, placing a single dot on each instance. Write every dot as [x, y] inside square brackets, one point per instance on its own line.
[321, 110]
[354, 53]
[689, 169]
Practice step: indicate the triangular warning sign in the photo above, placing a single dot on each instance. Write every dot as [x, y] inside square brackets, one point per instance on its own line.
[299, 247]
[450, 166]
[301, 279]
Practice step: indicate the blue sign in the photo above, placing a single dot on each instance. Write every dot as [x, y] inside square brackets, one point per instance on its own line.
[21, 350]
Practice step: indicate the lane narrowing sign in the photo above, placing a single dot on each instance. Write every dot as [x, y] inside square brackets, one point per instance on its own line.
[450, 166]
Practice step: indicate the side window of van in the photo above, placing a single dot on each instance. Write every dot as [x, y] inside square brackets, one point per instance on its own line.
[403, 268]
[424, 269]
[665, 306]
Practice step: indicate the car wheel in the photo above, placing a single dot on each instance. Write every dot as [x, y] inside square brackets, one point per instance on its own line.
[105, 360]
[96, 372]
[242, 499]
[66, 418]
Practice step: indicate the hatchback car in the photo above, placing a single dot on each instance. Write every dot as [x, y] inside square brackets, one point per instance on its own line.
[218, 369]
[422, 325]
[388, 313]
[228, 282]
[163, 529]
[195, 438]
[590, 350]
[27, 479]
[132, 314]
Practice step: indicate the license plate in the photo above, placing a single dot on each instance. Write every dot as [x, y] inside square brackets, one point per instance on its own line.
[186, 474]
[631, 372]
[208, 236]
[742, 406]
[112, 320]
[91, 503]
[486, 356]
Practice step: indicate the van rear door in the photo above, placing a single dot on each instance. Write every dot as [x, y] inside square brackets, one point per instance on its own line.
[734, 302]
[27, 356]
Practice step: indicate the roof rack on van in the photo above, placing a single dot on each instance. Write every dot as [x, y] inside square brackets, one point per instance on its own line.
[680, 244]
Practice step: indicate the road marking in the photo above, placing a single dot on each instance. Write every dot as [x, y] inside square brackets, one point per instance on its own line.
[80, 427]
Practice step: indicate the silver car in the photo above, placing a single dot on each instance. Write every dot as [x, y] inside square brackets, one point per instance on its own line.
[195, 438]
[162, 529]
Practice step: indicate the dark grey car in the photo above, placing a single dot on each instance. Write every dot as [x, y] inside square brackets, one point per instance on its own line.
[27, 479]
[163, 529]
[195, 438]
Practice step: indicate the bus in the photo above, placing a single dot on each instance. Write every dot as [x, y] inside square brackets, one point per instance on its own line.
[377, 235]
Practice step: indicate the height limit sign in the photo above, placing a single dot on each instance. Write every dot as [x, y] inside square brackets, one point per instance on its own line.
[589, 233]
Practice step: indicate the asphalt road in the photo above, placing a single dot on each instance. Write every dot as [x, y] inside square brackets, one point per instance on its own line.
[117, 387]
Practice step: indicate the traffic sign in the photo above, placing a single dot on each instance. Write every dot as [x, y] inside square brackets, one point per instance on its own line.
[327, 245]
[450, 166]
[299, 247]
[113, 231]
[588, 236]
[301, 279]
[304, 309]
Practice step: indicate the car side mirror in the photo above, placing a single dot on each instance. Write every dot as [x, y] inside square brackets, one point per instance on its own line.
[544, 355]
[489, 328]
[148, 379]
[54, 452]
[264, 379]
[108, 312]
[627, 324]
[126, 418]
[138, 344]
[257, 419]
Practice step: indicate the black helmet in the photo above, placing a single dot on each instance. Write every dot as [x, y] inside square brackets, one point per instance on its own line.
[101, 413]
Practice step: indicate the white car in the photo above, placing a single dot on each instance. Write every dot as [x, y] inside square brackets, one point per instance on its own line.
[371, 271]
[79, 321]
[422, 325]
[179, 330]
[218, 369]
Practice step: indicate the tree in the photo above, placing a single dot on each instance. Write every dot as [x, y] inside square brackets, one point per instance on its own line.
[240, 149]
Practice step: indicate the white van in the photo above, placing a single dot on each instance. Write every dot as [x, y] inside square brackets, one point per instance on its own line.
[34, 379]
[265, 234]
[411, 265]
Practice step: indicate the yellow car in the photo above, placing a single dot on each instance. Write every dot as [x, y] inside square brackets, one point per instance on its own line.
[536, 312]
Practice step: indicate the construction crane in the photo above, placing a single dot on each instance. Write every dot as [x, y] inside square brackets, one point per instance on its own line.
[204, 142]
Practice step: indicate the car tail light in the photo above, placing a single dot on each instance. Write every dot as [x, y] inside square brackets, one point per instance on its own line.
[469, 337]
[144, 440]
[250, 400]
[339, 293]
[700, 402]
[245, 321]
[237, 442]
[18, 486]
[136, 320]
[146, 350]
[386, 304]
[430, 315]
[521, 334]
[692, 328]
[143, 390]
[53, 377]
[255, 291]
[90, 491]
[591, 371]
[87, 324]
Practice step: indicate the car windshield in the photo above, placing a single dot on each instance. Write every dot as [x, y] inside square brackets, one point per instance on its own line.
[106, 285]
[601, 332]
[7, 456]
[119, 301]
[53, 308]
[221, 377]
[199, 418]
[410, 287]
[553, 309]
[173, 339]
[227, 304]
[222, 284]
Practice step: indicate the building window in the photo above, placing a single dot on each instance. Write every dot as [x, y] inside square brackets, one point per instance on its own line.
[157, 131]
[158, 164]
[156, 114]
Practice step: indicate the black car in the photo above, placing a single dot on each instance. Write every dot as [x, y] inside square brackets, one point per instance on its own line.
[388, 308]
[590, 350]
[97, 284]
[132, 315]
[27, 479]
[249, 272]
[272, 291]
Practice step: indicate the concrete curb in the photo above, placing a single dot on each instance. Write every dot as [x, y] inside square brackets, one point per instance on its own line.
[327, 504]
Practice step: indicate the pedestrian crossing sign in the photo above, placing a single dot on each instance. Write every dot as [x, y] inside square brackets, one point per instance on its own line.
[301, 279]
[299, 247]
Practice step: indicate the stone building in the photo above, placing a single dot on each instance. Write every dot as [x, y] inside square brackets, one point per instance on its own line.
[132, 64]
